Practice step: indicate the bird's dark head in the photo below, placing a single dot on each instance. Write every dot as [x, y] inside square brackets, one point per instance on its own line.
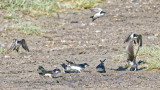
[57, 70]
[64, 66]
[102, 12]
[134, 36]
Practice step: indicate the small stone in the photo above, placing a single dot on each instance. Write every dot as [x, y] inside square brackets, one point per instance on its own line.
[92, 24]
[6, 56]
[157, 35]
[27, 56]
[152, 37]
[83, 24]
[97, 31]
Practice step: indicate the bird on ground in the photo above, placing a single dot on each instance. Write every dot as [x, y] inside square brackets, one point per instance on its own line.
[101, 68]
[99, 13]
[72, 67]
[15, 45]
[83, 65]
[48, 73]
[131, 57]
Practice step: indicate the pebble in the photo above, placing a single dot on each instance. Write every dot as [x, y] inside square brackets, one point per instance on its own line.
[152, 37]
[157, 35]
[6, 56]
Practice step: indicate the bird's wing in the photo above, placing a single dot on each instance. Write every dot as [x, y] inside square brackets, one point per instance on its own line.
[104, 60]
[12, 46]
[24, 45]
[96, 9]
[139, 40]
[70, 62]
[41, 68]
[128, 38]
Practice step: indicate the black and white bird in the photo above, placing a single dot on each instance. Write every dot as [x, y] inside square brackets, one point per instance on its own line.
[49, 73]
[101, 68]
[83, 65]
[15, 45]
[72, 67]
[131, 57]
[99, 13]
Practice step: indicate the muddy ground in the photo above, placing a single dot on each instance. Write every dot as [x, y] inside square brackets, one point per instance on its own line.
[85, 41]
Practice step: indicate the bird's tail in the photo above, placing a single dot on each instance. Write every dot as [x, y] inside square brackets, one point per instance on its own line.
[91, 16]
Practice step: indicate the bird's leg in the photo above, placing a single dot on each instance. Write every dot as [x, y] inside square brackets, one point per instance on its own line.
[17, 49]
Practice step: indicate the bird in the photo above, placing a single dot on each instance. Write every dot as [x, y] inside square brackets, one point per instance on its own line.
[48, 73]
[100, 67]
[15, 45]
[72, 67]
[83, 65]
[99, 13]
[132, 39]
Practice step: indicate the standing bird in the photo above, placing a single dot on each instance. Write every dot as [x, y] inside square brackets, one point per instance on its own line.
[17, 43]
[131, 58]
[72, 67]
[101, 68]
[49, 73]
[99, 13]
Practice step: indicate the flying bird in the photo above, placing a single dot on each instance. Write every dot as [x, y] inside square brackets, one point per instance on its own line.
[48, 73]
[99, 13]
[131, 57]
[101, 68]
[15, 45]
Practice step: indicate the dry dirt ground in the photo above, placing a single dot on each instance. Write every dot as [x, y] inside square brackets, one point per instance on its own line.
[85, 41]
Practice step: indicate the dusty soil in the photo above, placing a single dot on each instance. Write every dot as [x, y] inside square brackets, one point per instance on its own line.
[85, 41]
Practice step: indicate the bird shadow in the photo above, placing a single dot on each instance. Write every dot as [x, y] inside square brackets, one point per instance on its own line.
[121, 68]
[141, 68]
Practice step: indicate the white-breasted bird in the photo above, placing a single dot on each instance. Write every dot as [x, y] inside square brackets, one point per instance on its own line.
[99, 13]
[72, 67]
[48, 73]
[17, 43]
[131, 57]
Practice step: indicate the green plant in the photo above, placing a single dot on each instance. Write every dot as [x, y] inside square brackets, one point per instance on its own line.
[151, 55]
[85, 3]
[31, 7]
[3, 50]
[28, 28]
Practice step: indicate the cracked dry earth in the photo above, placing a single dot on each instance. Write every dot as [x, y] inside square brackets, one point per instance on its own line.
[85, 41]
